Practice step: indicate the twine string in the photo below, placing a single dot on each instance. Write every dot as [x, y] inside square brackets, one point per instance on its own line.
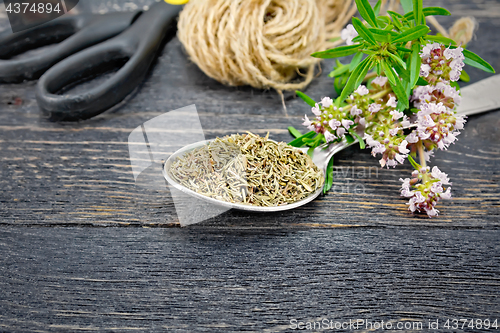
[268, 43]
[261, 43]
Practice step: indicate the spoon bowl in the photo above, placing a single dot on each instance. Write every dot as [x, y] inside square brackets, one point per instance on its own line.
[166, 173]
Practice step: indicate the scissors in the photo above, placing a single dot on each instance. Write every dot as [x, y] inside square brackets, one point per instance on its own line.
[91, 45]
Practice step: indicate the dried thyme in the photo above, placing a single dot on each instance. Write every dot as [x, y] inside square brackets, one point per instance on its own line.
[248, 169]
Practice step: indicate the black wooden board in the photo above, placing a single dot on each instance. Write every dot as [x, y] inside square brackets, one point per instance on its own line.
[83, 248]
[213, 280]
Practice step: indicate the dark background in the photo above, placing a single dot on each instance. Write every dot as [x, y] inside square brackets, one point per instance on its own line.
[83, 248]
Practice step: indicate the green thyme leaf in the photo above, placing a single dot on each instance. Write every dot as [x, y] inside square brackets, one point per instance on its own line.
[362, 75]
[422, 82]
[412, 34]
[385, 23]
[376, 9]
[400, 107]
[396, 85]
[306, 98]
[402, 72]
[349, 138]
[415, 64]
[383, 35]
[407, 5]
[310, 152]
[329, 176]
[403, 49]
[474, 60]
[413, 163]
[397, 60]
[406, 85]
[355, 61]
[417, 11]
[357, 39]
[396, 19]
[363, 31]
[337, 85]
[362, 144]
[358, 74]
[427, 11]
[395, 15]
[314, 142]
[309, 141]
[299, 142]
[441, 40]
[337, 52]
[464, 77]
[339, 71]
[294, 132]
[366, 12]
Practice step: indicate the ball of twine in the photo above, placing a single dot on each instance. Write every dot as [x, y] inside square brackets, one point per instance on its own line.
[261, 43]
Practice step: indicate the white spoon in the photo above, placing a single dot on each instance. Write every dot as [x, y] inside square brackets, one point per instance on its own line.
[479, 97]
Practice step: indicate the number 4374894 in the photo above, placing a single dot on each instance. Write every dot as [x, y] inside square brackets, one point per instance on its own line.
[25, 7]
[471, 323]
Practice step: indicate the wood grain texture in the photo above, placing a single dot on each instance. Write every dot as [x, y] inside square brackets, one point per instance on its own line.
[190, 280]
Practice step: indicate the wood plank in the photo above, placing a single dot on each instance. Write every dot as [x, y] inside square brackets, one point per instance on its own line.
[226, 279]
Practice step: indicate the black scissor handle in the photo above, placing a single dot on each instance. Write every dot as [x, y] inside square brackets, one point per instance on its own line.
[76, 33]
[139, 44]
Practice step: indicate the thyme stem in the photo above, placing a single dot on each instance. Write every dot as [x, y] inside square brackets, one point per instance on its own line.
[421, 156]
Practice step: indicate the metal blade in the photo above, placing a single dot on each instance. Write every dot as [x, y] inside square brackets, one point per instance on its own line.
[481, 96]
